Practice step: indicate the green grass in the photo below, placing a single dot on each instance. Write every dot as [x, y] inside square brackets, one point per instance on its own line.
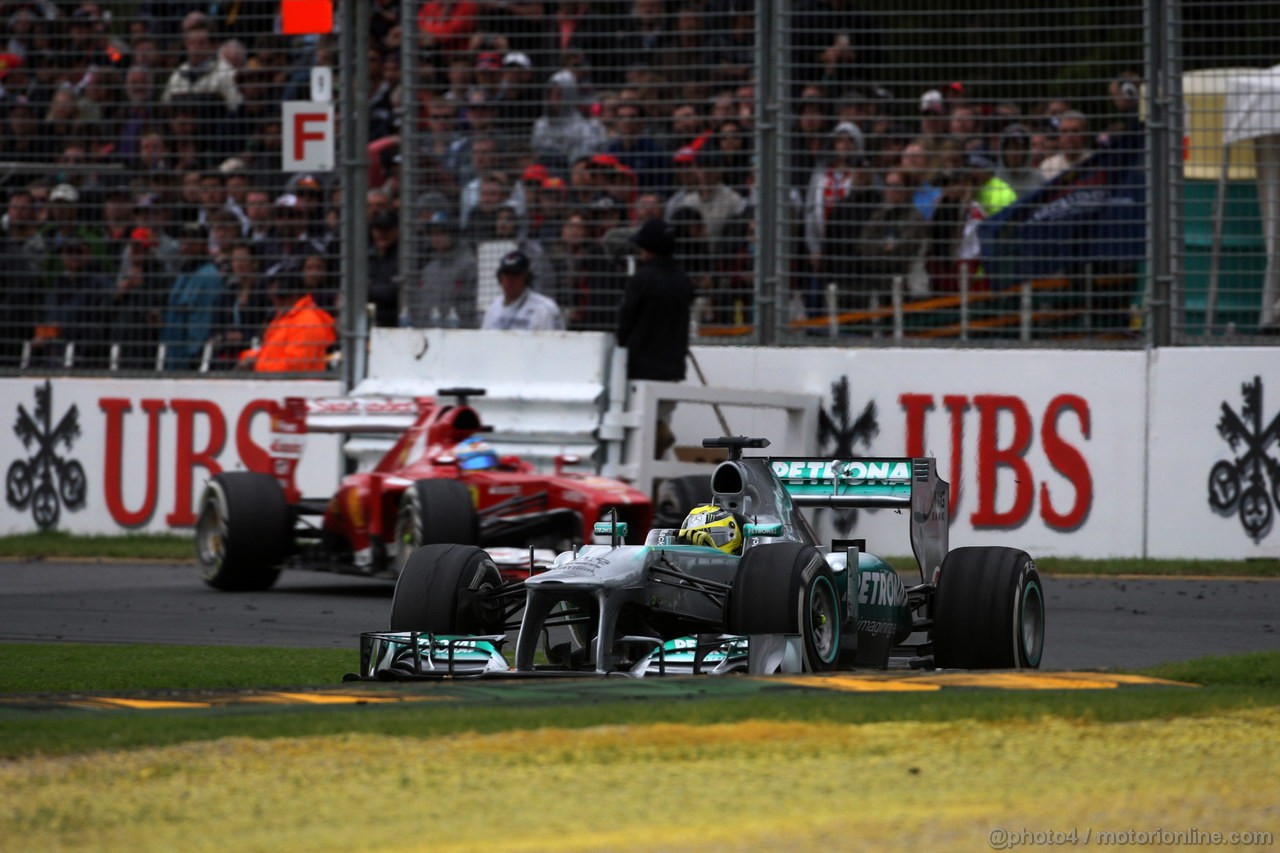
[60, 545]
[56, 544]
[72, 667]
[1247, 681]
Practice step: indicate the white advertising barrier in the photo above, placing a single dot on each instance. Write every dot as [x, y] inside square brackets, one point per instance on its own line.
[1044, 449]
[117, 456]
[544, 391]
[1215, 453]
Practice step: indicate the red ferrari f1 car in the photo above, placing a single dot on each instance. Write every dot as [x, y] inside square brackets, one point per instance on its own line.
[440, 483]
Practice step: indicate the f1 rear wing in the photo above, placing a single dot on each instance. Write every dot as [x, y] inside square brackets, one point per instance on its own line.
[351, 414]
[876, 482]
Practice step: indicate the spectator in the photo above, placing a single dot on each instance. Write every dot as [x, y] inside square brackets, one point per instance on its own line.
[563, 133]
[1073, 145]
[704, 189]
[298, 338]
[507, 229]
[1013, 165]
[520, 99]
[135, 308]
[919, 165]
[582, 278]
[732, 145]
[811, 140]
[22, 140]
[191, 308]
[954, 221]
[893, 242]
[836, 42]
[446, 25]
[20, 261]
[292, 239]
[653, 321]
[73, 312]
[446, 292]
[734, 47]
[933, 115]
[480, 222]
[257, 210]
[830, 183]
[992, 194]
[203, 72]
[842, 259]
[65, 222]
[246, 306]
[518, 306]
[384, 268]
[484, 161]
[1126, 132]
[441, 145]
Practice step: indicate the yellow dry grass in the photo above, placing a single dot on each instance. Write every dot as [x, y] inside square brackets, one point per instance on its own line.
[746, 786]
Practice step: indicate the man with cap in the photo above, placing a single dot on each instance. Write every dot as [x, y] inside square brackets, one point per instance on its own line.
[518, 306]
[653, 322]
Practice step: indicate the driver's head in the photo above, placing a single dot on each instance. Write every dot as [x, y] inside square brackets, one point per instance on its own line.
[712, 526]
[476, 454]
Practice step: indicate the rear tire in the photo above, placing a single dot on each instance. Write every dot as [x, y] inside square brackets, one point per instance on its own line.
[676, 496]
[244, 530]
[443, 590]
[788, 588]
[434, 512]
[988, 612]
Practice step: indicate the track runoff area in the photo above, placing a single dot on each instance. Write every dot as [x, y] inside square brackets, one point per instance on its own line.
[593, 690]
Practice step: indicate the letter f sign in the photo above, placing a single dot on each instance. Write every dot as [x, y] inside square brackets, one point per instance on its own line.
[308, 137]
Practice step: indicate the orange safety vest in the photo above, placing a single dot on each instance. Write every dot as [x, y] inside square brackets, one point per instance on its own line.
[296, 341]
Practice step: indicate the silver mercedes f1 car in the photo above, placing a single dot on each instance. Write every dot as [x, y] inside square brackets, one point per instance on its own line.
[785, 603]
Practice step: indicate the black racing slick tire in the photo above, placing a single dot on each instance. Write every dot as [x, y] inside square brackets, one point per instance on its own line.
[788, 588]
[244, 530]
[434, 512]
[447, 589]
[988, 611]
[676, 496]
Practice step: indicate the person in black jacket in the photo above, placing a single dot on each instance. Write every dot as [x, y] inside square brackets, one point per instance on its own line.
[653, 322]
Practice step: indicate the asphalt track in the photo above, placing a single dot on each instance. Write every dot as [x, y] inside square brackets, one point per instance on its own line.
[1092, 623]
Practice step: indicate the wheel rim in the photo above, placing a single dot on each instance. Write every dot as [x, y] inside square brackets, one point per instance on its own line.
[406, 536]
[1032, 624]
[211, 530]
[824, 624]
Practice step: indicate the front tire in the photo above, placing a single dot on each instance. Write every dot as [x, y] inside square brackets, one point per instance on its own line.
[243, 532]
[444, 589]
[788, 588]
[434, 512]
[988, 612]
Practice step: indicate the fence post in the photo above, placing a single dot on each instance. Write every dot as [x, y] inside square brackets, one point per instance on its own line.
[1164, 137]
[355, 181]
[768, 275]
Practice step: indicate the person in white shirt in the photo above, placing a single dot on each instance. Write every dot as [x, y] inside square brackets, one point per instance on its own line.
[519, 307]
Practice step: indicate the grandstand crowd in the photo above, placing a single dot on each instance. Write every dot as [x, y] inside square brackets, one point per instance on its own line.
[148, 222]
